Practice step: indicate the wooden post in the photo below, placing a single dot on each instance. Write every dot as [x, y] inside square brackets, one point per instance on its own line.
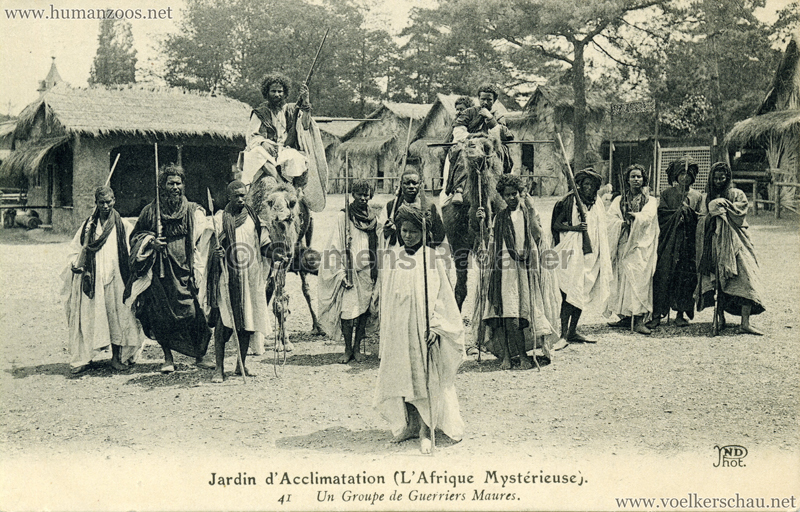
[755, 198]
[777, 201]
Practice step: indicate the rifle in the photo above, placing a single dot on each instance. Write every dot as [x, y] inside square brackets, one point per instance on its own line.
[291, 137]
[226, 298]
[158, 217]
[81, 263]
[348, 239]
[587, 242]
[450, 144]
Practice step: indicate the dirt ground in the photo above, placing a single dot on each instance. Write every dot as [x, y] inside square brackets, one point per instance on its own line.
[673, 392]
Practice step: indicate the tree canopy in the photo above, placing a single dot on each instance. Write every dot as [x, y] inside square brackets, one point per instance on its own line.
[115, 61]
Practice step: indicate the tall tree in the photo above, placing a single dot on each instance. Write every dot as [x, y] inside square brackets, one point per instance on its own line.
[229, 45]
[115, 61]
[711, 67]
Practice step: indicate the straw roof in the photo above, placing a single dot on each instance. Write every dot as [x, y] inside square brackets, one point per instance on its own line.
[7, 128]
[27, 158]
[562, 96]
[415, 111]
[337, 127]
[364, 145]
[98, 111]
[759, 128]
[420, 147]
[786, 82]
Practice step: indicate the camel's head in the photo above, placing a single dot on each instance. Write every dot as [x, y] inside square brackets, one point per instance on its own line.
[278, 208]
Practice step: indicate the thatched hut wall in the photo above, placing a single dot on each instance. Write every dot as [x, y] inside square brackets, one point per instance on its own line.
[374, 149]
[66, 142]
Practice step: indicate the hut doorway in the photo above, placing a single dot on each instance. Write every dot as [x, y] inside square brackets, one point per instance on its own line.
[134, 179]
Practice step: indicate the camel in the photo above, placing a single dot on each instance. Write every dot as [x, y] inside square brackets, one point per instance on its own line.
[289, 224]
[479, 156]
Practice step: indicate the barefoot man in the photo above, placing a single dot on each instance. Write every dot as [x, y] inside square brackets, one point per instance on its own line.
[406, 380]
[725, 252]
[94, 287]
[345, 306]
[167, 270]
[241, 241]
[584, 279]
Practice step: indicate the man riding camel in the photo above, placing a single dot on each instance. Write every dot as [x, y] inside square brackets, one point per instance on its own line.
[485, 120]
[284, 143]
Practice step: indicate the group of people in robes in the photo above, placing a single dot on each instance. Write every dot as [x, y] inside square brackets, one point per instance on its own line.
[177, 273]
[683, 252]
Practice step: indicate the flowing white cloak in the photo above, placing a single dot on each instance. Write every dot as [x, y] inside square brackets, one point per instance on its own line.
[253, 276]
[335, 302]
[633, 259]
[585, 278]
[96, 323]
[404, 350]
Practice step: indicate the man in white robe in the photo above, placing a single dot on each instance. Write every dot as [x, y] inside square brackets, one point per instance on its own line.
[94, 281]
[241, 298]
[633, 239]
[347, 274]
[416, 380]
[584, 279]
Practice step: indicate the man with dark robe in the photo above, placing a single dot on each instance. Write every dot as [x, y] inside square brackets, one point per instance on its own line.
[515, 306]
[584, 279]
[168, 270]
[410, 194]
[94, 278]
[347, 276]
[242, 240]
[473, 121]
[726, 259]
[675, 278]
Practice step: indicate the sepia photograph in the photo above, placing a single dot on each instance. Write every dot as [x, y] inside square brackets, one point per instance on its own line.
[326, 255]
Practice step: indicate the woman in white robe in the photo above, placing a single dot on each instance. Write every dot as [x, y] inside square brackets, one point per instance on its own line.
[633, 239]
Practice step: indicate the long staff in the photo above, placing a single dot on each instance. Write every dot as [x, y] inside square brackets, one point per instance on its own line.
[429, 355]
[348, 239]
[402, 170]
[279, 304]
[481, 269]
[226, 298]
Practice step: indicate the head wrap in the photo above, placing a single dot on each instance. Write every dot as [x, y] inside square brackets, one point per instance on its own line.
[712, 192]
[412, 214]
[686, 163]
[588, 173]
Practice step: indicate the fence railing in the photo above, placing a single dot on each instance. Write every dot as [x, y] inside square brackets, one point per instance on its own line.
[388, 184]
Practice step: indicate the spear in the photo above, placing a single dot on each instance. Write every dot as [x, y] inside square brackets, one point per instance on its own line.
[226, 298]
[429, 352]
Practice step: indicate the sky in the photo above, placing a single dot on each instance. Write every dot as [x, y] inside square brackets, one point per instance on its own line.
[27, 45]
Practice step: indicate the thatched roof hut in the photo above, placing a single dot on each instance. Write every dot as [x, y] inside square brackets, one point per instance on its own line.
[66, 141]
[374, 148]
[775, 129]
[547, 112]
